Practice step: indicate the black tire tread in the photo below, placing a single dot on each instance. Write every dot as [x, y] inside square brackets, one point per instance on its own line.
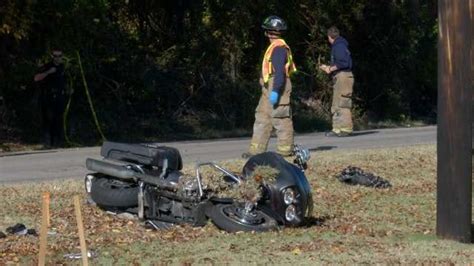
[105, 196]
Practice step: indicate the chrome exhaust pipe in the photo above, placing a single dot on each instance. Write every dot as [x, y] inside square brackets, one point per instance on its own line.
[110, 169]
[127, 172]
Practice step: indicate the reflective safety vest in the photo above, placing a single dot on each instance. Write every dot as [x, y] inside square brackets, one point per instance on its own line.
[267, 67]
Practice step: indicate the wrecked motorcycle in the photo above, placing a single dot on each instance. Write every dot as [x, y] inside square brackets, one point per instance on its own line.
[147, 180]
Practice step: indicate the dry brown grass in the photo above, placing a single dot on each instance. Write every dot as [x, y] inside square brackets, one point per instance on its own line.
[351, 224]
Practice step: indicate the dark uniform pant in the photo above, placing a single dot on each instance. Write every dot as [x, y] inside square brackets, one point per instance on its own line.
[342, 102]
[52, 110]
[268, 117]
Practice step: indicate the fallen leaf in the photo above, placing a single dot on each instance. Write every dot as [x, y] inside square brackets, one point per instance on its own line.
[296, 251]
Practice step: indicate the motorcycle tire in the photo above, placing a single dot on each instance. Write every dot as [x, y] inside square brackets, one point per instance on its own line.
[114, 193]
[225, 217]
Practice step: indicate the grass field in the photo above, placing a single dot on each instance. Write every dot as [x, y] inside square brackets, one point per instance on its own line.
[350, 224]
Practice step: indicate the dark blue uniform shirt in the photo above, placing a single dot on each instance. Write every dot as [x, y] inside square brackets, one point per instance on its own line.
[53, 85]
[340, 55]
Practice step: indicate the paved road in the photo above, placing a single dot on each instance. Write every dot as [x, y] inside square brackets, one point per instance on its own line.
[69, 163]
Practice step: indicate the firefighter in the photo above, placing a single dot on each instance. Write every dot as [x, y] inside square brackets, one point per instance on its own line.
[341, 72]
[273, 109]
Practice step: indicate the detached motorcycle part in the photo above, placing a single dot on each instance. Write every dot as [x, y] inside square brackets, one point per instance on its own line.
[158, 225]
[238, 217]
[113, 193]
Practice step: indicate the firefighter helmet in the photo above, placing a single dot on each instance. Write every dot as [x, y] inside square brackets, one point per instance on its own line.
[274, 23]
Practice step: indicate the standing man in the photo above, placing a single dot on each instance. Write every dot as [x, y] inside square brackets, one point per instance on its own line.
[52, 82]
[341, 72]
[273, 110]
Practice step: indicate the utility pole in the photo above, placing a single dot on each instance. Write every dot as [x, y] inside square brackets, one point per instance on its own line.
[455, 86]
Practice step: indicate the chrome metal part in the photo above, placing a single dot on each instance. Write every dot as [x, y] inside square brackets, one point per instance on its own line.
[141, 200]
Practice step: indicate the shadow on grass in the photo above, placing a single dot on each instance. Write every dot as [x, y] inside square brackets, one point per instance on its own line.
[315, 221]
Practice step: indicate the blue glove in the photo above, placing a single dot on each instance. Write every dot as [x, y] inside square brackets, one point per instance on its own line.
[273, 97]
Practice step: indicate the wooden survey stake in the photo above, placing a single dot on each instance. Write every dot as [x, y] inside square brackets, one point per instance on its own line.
[46, 198]
[44, 229]
[80, 227]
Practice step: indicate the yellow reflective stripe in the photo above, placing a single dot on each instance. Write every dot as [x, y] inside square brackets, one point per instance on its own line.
[342, 129]
[291, 67]
[346, 129]
[257, 148]
[267, 58]
[285, 149]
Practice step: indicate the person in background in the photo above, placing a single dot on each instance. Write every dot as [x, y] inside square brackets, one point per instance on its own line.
[52, 83]
[273, 110]
[340, 70]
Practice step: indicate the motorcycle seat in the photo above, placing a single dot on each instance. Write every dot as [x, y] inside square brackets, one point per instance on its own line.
[143, 153]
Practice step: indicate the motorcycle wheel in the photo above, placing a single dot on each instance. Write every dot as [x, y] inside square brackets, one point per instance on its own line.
[232, 218]
[114, 193]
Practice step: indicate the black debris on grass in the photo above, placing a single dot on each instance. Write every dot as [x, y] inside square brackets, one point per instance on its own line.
[20, 229]
[355, 176]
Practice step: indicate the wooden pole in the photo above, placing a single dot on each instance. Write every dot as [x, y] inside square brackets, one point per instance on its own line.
[471, 3]
[80, 227]
[454, 181]
[44, 228]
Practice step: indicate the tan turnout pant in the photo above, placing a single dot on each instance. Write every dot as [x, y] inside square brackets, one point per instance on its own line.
[342, 102]
[268, 117]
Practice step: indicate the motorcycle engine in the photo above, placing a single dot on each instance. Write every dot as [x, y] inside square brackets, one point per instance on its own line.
[188, 187]
[180, 206]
